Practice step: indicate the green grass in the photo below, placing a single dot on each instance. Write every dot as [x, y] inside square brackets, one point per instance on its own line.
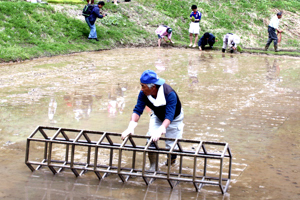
[243, 17]
[66, 1]
[40, 31]
[33, 30]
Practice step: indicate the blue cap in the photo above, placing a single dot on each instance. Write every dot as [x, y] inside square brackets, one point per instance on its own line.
[150, 76]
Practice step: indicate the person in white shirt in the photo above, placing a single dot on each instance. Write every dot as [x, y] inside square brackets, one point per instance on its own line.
[230, 40]
[274, 23]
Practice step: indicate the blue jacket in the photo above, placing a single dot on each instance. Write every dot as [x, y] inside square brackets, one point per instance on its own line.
[170, 111]
[95, 13]
[197, 15]
[203, 41]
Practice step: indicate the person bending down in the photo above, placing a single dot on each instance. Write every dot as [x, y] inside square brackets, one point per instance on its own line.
[167, 114]
[207, 38]
[163, 31]
[231, 40]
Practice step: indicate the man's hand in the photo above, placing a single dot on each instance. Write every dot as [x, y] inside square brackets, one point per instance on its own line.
[129, 130]
[200, 49]
[158, 133]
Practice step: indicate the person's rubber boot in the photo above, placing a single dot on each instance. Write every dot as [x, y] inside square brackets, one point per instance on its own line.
[173, 161]
[276, 48]
[267, 47]
[152, 158]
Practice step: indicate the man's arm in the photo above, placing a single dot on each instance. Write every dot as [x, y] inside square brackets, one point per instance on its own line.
[97, 12]
[140, 105]
[137, 111]
[135, 117]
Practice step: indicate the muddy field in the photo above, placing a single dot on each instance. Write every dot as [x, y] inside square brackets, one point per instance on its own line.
[251, 102]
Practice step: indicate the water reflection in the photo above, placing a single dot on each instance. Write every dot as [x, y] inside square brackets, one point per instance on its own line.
[161, 62]
[52, 109]
[251, 102]
[273, 71]
[82, 105]
[59, 187]
[116, 102]
[193, 69]
[231, 64]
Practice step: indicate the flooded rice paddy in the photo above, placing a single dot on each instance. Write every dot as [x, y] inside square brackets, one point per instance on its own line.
[250, 101]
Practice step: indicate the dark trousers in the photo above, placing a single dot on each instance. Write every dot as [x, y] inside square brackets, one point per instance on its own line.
[272, 36]
[211, 44]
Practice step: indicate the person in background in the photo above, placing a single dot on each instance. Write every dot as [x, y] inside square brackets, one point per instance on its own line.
[231, 40]
[92, 1]
[90, 20]
[167, 114]
[163, 31]
[207, 38]
[274, 23]
[195, 17]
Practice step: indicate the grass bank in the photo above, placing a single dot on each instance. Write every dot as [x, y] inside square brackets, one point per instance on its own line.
[33, 30]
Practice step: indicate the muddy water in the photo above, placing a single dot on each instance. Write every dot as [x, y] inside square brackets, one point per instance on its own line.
[251, 102]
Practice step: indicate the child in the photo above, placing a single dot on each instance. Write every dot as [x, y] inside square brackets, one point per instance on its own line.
[163, 31]
[195, 17]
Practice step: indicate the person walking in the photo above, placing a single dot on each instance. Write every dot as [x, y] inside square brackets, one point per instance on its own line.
[163, 31]
[207, 38]
[195, 18]
[167, 114]
[90, 20]
[273, 25]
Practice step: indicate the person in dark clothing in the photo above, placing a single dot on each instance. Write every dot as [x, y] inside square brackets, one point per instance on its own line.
[273, 26]
[207, 38]
[90, 20]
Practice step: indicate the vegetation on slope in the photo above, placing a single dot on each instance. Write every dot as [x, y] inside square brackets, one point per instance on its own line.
[247, 18]
[31, 30]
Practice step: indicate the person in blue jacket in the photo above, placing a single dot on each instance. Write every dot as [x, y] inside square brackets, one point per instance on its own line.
[90, 20]
[167, 114]
[207, 38]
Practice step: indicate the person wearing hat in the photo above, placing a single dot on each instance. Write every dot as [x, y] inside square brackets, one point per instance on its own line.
[207, 38]
[90, 20]
[231, 40]
[167, 114]
[163, 31]
[274, 23]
